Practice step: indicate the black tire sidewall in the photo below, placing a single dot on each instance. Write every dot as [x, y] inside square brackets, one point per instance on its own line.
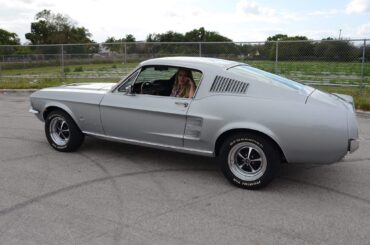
[270, 151]
[76, 136]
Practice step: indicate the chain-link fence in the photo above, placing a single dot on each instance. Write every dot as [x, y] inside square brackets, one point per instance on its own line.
[325, 62]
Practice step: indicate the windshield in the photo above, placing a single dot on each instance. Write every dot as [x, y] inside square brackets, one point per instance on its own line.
[267, 77]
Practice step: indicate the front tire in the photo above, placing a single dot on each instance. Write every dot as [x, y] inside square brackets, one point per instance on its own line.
[62, 132]
[249, 161]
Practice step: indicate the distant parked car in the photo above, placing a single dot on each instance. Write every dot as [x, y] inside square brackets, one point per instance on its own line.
[249, 119]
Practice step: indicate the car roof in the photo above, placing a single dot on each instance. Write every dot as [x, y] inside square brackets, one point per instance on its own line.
[191, 62]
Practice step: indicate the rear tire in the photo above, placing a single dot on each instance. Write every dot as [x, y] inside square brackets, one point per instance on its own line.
[62, 132]
[249, 161]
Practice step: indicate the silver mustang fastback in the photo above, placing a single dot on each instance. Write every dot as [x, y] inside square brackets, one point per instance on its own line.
[248, 119]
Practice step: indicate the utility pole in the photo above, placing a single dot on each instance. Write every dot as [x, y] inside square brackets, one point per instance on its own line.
[340, 33]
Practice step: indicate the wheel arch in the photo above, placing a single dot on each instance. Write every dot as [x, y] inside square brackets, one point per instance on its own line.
[222, 137]
[52, 107]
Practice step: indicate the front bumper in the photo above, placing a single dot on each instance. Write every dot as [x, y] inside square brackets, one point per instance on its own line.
[34, 111]
[37, 114]
[353, 145]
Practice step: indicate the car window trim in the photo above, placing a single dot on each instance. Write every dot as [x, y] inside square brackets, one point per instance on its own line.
[170, 66]
[116, 89]
[200, 82]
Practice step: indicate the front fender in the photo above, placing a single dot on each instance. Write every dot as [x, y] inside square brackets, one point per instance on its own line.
[51, 104]
[82, 106]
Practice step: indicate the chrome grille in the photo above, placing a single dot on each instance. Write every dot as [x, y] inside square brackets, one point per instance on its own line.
[228, 85]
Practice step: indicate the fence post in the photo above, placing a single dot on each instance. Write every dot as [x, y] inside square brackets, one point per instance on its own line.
[62, 61]
[1, 66]
[121, 51]
[200, 49]
[125, 60]
[276, 56]
[363, 64]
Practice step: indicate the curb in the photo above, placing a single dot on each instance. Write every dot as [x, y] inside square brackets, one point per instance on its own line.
[365, 114]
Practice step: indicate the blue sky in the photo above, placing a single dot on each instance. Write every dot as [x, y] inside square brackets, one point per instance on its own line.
[240, 20]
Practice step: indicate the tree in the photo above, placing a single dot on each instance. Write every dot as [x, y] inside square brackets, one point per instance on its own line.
[115, 45]
[8, 38]
[337, 50]
[166, 49]
[50, 28]
[169, 36]
[289, 50]
[284, 37]
[128, 38]
[201, 35]
[195, 35]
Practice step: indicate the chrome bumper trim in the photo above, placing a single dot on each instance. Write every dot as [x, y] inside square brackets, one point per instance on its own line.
[353, 145]
[34, 111]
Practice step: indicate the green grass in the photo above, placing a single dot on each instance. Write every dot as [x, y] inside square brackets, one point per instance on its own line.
[318, 71]
[41, 77]
[312, 67]
[361, 96]
[58, 69]
[47, 82]
[26, 84]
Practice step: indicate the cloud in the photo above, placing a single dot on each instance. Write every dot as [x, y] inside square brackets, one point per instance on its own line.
[358, 6]
[251, 11]
[324, 13]
[45, 5]
[24, 1]
[364, 30]
[241, 20]
[249, 8]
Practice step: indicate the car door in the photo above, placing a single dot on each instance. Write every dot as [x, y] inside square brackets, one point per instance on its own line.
[144, 118]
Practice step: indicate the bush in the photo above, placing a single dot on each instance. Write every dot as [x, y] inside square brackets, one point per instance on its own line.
[67, 69]
[363, 104]
[78, 69]
[360, 95]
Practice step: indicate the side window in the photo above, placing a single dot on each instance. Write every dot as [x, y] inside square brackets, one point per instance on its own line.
[151, 74]
[164, 81]
[197, 75]
[155, 80]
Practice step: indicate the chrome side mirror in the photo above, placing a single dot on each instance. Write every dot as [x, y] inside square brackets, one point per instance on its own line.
[129, 90]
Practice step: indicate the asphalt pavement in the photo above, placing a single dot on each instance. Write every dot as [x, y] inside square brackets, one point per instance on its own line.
[112, 193]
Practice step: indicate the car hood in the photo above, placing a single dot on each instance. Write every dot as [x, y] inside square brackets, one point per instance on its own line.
[89, 86]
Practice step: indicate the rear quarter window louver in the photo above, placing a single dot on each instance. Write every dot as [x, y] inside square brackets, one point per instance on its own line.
[228, 85]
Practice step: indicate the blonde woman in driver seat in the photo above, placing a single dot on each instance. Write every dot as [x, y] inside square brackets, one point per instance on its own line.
[184, 85]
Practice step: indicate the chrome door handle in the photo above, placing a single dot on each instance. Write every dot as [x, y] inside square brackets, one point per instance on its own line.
[185, 104]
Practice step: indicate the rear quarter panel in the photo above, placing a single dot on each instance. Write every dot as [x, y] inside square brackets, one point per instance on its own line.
[314, 133]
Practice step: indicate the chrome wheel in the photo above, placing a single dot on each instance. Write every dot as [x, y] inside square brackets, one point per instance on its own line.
[247, 161]
[59, 131]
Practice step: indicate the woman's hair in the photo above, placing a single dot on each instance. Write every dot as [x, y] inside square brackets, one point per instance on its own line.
[185, 91]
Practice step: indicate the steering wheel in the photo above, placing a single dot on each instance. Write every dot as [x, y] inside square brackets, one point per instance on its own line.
[146, 87]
